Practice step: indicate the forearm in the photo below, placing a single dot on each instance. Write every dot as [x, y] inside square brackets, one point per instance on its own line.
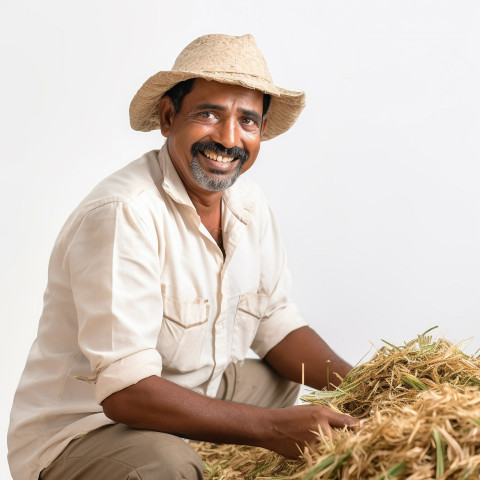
[157, 404]
[305, 346]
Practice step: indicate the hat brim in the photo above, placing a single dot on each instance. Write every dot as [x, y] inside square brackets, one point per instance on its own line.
[285, 105]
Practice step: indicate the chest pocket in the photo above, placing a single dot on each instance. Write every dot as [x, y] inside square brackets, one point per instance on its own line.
[183, 331]
[250, 310]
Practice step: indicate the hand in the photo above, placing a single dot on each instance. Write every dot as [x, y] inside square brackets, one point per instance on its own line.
[295, 427]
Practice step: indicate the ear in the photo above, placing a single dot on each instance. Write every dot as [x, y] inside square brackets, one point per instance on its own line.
[166, 115]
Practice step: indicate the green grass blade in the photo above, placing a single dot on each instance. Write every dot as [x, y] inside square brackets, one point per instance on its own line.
[332, 463]
[325, 394]
[414, 382]
[390, 344]
[428, 331]
[392, 472]
[475, 420]
[341, 460]
[321, 466]
[440, 445]
[257, 471]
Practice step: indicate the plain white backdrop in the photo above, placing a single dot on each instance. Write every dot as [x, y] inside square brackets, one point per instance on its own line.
[376, 188]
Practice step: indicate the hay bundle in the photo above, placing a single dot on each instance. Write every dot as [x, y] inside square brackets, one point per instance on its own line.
[241, 462]
[437, 436]
[420, 405]
[395, 375]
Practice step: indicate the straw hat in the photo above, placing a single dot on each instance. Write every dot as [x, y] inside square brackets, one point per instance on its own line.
[225, 59]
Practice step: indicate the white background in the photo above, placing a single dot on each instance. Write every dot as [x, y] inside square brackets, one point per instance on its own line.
[375, 188]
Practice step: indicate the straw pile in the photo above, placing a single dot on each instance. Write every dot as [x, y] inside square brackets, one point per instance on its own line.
[420, 410]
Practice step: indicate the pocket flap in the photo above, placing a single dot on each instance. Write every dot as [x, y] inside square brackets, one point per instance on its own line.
[253, 304]
[186, 314]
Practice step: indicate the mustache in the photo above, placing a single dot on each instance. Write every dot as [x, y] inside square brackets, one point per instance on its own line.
[218, 148]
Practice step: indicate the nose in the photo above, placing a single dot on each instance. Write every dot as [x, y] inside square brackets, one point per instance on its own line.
[227, 133]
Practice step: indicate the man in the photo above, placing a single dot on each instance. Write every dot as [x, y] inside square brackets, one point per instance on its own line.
[160, 282]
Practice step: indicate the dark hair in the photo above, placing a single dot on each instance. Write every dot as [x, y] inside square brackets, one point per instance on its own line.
[266, 103]
[177, 94]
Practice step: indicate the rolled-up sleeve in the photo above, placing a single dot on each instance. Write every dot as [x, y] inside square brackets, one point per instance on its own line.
[114, 268]
[127, 371]
[273, 329]
[281, 315]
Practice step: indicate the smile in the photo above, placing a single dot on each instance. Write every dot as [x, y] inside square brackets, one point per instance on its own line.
[218, 158]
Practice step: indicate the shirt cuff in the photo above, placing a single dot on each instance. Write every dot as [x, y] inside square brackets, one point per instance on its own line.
[274, 329]
[127, 371]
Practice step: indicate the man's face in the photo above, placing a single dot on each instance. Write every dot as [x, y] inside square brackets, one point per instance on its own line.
[215, 135]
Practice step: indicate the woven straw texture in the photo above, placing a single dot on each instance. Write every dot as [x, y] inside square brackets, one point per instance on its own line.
[225, 59]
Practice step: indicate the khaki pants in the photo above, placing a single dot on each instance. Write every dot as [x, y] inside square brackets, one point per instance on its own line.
[117, 452]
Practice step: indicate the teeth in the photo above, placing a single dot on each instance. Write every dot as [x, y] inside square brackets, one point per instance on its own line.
[218, 158]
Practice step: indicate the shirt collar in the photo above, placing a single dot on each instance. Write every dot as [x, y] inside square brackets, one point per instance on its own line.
[172, 183]
[239, 198]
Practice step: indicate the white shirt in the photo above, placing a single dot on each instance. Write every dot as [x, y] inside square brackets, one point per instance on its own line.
[138, 287]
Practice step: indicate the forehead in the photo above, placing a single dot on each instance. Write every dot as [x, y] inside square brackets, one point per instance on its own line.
[211, 92]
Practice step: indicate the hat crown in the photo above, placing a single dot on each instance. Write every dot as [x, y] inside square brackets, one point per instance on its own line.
[223, 53]
[225, 59]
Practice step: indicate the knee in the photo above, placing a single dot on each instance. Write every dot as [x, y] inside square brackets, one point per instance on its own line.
[173, 460]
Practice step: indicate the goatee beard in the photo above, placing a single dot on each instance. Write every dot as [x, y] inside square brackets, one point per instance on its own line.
[216, 180]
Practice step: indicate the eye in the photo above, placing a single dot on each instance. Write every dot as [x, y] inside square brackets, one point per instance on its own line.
[250, 122]
[209, 115]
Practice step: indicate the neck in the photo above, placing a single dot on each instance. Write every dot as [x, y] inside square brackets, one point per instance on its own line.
[206, 203]
[209, 209]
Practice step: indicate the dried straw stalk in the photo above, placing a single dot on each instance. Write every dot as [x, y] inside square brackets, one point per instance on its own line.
[420, 405]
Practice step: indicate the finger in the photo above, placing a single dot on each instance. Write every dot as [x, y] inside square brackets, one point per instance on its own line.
[340, 420]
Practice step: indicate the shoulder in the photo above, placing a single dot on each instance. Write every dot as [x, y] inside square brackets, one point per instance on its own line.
[134, 188]
[138, 177]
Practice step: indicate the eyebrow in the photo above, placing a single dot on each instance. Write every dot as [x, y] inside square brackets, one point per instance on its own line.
[244, 111]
